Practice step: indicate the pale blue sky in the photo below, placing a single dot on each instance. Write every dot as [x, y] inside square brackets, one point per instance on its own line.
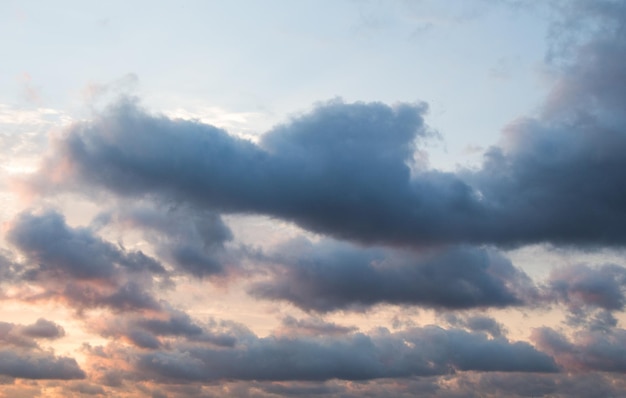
[477, 64]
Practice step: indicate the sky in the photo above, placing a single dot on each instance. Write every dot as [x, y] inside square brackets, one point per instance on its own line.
[313, 198]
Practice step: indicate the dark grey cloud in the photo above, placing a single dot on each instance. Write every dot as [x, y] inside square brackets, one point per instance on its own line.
[76, 252]
[344, 170]
[331, 275]
[588, 350]
[342, 166]
[77, 267]
[38, 365]
[420, 351]
[417, 352]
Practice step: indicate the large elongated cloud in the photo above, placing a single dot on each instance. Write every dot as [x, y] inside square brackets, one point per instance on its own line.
[424, 351]
[348, 170]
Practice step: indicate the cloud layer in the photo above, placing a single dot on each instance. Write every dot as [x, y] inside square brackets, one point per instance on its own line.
[385, 231]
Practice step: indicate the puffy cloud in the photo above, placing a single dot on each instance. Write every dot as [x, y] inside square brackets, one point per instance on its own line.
[76, 266]
[476, 323]
[341, 169]
[76, 252]
[332, 275]
[599, 350]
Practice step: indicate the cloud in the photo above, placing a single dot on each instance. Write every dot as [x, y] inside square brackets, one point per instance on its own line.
[595, 350]
[344, 170]
[76, 266]
[580, 286]
[412, 236]
[348, 170]
[341, 169]
[22, 357]
[57, 248]
[590, 294]
[44, 329]
[416, 352]
[25, 335]
[190, 239]
[161, 330]
[331, 275]
[40, 365]
[356, 358]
